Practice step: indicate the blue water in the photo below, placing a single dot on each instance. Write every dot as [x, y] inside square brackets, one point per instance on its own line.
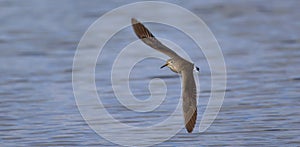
[260, 42]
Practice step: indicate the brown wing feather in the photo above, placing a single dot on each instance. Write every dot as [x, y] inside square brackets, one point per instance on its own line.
[140, 30]
[148, 38]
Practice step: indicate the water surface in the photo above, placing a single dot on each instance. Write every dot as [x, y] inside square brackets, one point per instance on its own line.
[259, 40]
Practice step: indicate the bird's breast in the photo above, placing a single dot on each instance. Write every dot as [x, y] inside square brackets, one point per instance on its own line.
[174, 70]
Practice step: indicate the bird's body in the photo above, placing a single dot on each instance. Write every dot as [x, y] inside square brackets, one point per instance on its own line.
[178, 65]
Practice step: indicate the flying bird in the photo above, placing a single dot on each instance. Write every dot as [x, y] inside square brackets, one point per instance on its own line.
[178, 65]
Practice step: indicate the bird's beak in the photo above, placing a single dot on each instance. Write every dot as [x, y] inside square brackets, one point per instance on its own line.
[164, 65]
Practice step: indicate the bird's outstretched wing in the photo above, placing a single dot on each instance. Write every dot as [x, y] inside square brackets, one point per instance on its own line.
[147, 37]
[189, 95]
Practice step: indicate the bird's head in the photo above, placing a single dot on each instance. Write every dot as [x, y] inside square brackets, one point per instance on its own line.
[171, 64]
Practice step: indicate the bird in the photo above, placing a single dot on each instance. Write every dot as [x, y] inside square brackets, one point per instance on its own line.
[178, 65]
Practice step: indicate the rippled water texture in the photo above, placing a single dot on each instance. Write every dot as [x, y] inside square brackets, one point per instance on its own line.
[260, 41]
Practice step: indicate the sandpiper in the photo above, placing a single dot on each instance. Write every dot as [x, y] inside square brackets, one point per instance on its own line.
[178, 65]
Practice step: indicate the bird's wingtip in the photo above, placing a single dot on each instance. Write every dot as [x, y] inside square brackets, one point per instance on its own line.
[189, 131]
[134, 21]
